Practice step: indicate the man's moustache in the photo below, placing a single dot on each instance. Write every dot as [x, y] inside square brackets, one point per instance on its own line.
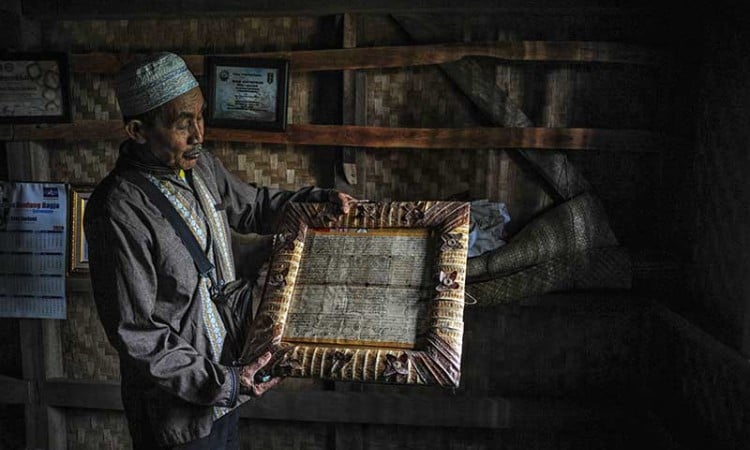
[197, 150]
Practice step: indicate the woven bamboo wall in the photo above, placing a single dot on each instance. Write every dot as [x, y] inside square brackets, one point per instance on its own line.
[605, 96]
[276, 166]
[86, 351]
[81, 162]
[104, 430]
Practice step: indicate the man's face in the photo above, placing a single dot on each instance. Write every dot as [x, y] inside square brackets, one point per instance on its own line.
[180, 130]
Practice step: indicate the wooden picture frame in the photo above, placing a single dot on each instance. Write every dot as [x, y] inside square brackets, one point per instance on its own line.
[34, 88]
[79, 255]
[248, 93]
[376, 295]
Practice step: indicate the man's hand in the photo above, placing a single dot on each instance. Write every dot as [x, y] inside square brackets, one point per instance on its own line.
[248, 385]
[343, 200]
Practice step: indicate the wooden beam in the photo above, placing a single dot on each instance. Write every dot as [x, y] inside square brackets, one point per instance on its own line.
[88, 9]
[435, 409]
[14, 391]
[385, 137]
[413, 55]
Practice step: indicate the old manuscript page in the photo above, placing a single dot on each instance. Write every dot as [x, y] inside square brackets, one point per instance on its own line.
[363, 287]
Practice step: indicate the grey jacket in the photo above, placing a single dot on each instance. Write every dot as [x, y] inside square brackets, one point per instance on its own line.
[145, 285]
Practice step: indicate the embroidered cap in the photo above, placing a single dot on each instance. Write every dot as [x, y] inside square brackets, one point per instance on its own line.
[151, 81]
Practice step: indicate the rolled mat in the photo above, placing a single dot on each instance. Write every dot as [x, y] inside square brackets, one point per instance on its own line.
[569, 247]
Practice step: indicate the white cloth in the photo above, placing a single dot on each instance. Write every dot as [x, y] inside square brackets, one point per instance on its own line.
[487, 228]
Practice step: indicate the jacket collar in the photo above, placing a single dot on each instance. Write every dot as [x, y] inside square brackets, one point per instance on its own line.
[135, 157]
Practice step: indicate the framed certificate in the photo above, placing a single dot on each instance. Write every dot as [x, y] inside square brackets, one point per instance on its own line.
[34, 88]
[79, 250]
[376, 295]
[247, 93]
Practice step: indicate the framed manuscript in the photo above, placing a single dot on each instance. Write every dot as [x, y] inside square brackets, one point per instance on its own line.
[376, 295]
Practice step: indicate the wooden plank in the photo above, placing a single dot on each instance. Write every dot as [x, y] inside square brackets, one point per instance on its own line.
[386, 137]
[453, 138]
[436, 409]
[83, 9]
[95, 130]
[14, 391]
[349, 41]
[32, 356]
[414, 55]
[349, 100]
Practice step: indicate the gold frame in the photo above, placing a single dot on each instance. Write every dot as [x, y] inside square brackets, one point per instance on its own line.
[435, 358]
[78, 261]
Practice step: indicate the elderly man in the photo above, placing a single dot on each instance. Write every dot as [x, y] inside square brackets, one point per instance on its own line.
[152, 301]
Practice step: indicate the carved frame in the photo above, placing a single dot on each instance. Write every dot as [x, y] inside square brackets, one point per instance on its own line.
[435, 358]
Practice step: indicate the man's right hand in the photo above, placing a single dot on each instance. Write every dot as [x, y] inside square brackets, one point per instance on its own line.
[249, 385]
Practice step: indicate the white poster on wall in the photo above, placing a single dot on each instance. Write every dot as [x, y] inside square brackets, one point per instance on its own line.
[33, 221]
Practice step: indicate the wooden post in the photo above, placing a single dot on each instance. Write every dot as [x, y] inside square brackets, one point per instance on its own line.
[352, 109]
[349, 166]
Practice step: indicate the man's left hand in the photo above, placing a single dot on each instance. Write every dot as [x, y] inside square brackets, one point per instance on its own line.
[343, 200]
[249, 385]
